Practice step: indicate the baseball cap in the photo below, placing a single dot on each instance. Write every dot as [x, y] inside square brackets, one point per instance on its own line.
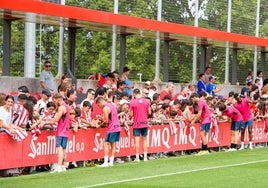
[211, 77]
[123, 101]
[148, 83]
[23, 89]
[46, 92]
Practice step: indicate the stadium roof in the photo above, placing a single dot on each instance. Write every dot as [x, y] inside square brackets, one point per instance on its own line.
[69, 16]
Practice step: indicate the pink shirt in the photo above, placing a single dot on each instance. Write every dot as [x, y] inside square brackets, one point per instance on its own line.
[233, 113]
[64, 123]
[205, 115]
[113, 124]
[244, 109]
[140, 108]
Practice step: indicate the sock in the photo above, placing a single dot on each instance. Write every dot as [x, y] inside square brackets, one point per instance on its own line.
[250, 144]
[145, 155]
[105, 159]
[137, 156]
[242, 144]
[111, 159]
[204, 147]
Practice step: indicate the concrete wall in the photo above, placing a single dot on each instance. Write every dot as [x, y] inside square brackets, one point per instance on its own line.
[9, 84]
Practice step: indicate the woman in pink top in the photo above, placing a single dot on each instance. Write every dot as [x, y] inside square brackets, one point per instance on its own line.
[236, 121]
[113, 130]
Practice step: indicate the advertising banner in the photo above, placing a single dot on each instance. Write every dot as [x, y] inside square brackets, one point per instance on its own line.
[88, 144]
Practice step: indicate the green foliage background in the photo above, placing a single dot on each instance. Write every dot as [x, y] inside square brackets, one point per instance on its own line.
[93, 49]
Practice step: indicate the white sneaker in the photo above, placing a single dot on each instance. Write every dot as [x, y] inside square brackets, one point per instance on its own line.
[129, 159]
[250, 147]
[241, 148]
[66, 164]
[118, 160]
[63, 168]
[75, 164]
[58, 169]
[163, 155]
[104, 165]
[155, 156]
[145, 159]
[137, 160]
[151, 158]
[110, 164]
[230, 149]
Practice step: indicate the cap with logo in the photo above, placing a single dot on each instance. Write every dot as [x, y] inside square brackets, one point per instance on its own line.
[23, 89]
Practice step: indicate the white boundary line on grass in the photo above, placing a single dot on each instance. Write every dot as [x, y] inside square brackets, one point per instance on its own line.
[173, 173]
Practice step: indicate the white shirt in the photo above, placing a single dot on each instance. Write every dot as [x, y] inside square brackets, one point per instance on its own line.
[41, 106]
[5, 115]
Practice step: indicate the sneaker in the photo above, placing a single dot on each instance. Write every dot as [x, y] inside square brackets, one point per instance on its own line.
[66, 164]
[118, 160]
[163, 155]
[129, 159]
[145, 159]
[155, 156]
[58, 169]
[230, 149]
[104, 165]
[137, 160]
[241, 148]
[151, 158]
[250, 147]
[63, 168]
[110, 164]
[202, 152]
[74, 164]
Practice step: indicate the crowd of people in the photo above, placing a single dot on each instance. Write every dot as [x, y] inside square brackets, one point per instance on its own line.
[116, 104]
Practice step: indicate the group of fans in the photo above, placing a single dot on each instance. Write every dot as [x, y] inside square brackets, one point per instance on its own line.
[23, 113]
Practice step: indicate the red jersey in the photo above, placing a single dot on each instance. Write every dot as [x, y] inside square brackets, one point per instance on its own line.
[164, 93]
[96, 110]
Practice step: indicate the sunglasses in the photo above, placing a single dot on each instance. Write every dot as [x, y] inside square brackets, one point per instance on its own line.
[48, 66]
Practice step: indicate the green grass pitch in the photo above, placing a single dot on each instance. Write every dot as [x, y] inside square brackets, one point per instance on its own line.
[241, 169]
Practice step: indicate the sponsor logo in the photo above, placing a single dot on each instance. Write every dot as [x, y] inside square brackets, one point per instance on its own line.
[48, 147]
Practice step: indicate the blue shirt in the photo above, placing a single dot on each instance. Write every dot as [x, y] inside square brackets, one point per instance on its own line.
[210, 88]
[201, 86]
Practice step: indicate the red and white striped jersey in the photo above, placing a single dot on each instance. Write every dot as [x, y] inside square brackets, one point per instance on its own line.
[19, 115]
[86, 115]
